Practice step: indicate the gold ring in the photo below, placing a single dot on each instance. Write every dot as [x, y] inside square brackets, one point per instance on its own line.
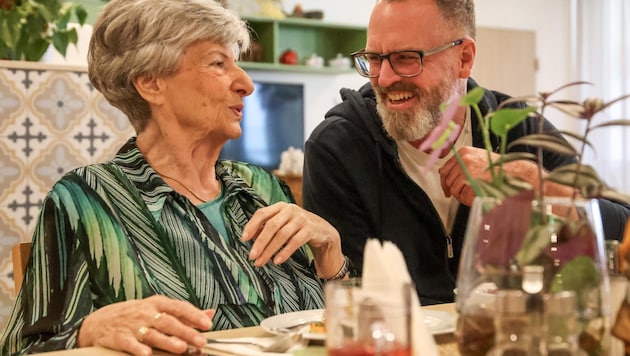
[157, 317]
[141, 333]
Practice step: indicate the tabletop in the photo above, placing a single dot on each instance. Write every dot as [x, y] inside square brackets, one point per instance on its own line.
[446, 342]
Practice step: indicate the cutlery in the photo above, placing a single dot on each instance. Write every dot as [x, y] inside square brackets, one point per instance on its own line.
[280, 343]
[290, 328]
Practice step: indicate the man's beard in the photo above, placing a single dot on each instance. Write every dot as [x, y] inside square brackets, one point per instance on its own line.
[414, 124]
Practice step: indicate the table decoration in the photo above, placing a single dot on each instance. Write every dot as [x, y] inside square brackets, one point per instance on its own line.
[519, 239]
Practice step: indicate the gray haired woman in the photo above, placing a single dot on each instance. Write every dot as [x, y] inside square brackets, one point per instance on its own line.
[165, 240]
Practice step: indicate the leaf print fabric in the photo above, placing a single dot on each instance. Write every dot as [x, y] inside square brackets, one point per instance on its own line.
[115, 231]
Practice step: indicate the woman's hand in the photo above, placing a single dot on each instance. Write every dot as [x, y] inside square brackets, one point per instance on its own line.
[282, 228]
[137, 326]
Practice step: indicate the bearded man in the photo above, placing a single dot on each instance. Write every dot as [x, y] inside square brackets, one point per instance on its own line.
[363, 171]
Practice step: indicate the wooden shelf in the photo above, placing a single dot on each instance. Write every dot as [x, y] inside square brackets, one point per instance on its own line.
[306, 37]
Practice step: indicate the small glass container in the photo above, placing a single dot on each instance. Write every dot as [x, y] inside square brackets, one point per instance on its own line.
[512, 322]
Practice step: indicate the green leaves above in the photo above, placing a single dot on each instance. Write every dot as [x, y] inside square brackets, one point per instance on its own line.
[27, 28]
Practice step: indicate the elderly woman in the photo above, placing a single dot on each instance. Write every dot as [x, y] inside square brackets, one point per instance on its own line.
[165, 240]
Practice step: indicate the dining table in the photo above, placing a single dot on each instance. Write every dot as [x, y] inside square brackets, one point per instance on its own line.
[446, 342]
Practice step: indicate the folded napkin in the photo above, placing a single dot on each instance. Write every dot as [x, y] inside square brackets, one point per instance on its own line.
[250, 350]
[384, 263]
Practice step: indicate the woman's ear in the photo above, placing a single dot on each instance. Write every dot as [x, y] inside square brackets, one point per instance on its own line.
[149, 88]
[467, 57]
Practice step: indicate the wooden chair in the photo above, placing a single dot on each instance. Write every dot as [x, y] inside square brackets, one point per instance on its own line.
[19, 254]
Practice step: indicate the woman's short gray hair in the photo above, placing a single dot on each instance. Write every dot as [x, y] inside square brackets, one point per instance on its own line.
[148, 37]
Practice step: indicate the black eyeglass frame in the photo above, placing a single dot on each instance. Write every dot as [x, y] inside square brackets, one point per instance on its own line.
[381, 56]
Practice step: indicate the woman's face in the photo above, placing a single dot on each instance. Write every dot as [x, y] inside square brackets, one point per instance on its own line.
[204, 98]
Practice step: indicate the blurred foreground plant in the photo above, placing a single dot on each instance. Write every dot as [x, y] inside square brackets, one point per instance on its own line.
[28, 27]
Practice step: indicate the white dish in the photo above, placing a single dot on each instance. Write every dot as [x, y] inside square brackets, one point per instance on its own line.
[437, 322]
[272, 324]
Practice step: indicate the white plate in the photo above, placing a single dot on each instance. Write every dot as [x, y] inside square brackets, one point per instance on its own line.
[437, 322]
[271, 324]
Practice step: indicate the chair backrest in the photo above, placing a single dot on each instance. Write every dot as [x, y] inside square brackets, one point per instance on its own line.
[19, 254]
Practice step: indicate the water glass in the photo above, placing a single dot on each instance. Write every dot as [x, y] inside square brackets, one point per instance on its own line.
[368, 319]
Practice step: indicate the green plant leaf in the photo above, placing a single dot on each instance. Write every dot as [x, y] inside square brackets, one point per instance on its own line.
[513, 156]
[620, 122]
[575, 136]
[472, 97]
[547, 142]
[606, 105]
[35, 27]
[9, 28]
[585, 180]
[63, 15]
[518, 183]
[490, 190]
[81, 14]
[509, 187]
[45, 12]
[571, 108]
[36, 49]
[505, 119]
[529, 100]
[61, 39]
[568, 85]
[536, 239]
[576, 275]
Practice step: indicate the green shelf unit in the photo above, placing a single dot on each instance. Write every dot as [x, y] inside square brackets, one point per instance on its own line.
[306, 37]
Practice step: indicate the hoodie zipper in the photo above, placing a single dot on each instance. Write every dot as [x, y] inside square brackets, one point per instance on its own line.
[450, 254]
[449, 246]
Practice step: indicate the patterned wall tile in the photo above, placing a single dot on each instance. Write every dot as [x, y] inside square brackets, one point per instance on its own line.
[51, 121]
[59, 102]
[52, 165]
[11, 170]
[11, 99]
[25, 137]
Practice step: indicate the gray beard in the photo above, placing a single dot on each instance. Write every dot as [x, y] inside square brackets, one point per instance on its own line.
[407, 125]
[417, 123]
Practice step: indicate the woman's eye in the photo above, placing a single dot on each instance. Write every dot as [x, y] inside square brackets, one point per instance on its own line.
[219, 64]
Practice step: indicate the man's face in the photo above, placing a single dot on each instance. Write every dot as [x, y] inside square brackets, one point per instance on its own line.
[410, 106]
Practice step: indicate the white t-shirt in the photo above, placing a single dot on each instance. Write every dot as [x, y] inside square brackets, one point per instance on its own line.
[413, 162]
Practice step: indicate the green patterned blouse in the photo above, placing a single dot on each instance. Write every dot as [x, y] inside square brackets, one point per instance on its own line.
[97, 242]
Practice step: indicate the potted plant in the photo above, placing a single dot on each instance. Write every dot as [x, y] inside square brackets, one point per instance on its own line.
[520, 239]
[28, 27]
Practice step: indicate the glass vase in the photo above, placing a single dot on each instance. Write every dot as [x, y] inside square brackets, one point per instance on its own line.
[540, 247]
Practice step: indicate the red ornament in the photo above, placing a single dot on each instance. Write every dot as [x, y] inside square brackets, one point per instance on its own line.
[289, 57]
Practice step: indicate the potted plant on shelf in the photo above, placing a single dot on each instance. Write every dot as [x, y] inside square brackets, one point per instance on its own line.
[520, 239]
[28, 27]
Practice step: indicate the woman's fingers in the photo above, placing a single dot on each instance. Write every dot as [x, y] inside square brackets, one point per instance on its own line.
[280, 229]
[137, 326]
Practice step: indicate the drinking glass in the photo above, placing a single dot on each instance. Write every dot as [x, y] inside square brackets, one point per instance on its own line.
[538, 247]
[368, 319]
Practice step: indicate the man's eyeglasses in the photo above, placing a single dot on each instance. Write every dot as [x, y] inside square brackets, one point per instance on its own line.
[404, 63]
